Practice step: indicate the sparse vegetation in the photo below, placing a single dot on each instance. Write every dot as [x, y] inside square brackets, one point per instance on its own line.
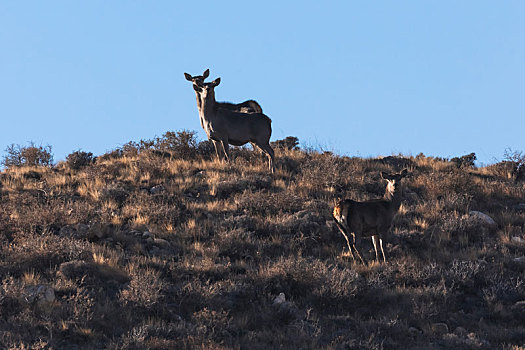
[289, 143]
[31, 155]
[140, 250]
[466, 161]
[79, 159]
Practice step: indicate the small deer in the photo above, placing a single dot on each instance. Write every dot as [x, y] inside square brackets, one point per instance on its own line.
[225, 127]
[249, 106]
[371, 218]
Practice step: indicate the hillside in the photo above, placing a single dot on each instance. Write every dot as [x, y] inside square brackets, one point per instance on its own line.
[163, 249]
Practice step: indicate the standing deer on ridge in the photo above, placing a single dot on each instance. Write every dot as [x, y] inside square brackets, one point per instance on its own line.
[226, 127]
[249, 106]
[372, 218]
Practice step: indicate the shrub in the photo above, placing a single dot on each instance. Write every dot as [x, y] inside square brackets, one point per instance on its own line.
[31, 155]
[205, 149]
[79, 159]
[518, 159]
[466, 161]
[289, 143]
[182, 143]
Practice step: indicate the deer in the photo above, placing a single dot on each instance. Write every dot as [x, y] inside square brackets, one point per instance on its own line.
[372, 218]
[226, 127]
[249, 106]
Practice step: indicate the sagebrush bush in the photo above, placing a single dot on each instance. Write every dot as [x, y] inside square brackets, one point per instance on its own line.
[79, 159]
[288, 143]
[466, 161]
[32, 155]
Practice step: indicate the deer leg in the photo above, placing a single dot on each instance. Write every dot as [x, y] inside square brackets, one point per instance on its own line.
[226, 149]
[217, 146]
[349, 247]
[347, 241]
[270, 153]
[359, 255]
[375, 240]
[382, 251]
[266, 148]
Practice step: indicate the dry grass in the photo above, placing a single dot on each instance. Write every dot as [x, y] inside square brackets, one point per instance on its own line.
[145, 251]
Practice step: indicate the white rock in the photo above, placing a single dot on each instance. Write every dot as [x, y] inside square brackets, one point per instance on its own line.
[519, 305]
[39, 294]
[440, 328]
[157, 189]
[482, 217]
[414, 331]
[517, 240]
[460, 331]
[281, 298]
[519, 259]
[520, 206]
[160, 241]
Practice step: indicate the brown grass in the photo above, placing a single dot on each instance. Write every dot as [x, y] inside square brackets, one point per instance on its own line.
[145, 251]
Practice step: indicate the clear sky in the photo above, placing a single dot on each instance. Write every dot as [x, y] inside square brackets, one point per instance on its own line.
[361, 78]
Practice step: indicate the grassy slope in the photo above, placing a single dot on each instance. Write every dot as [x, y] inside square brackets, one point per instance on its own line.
[228, 239]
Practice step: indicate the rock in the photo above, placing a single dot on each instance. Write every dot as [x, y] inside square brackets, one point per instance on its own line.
[519, 259]
[519, 305]
[483, 218]
[517, 240]
[73, 269]
[147, 234]
[440, 328]
[157, 189]
[281, 298]
[460, 331]
[99, 231]
[414, 331]
[411, 197]
[78, 230]
[161, 242]
[520, 206]
[40, 294]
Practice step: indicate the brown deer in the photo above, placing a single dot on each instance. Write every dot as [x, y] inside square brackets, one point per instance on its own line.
[225, 127]
[371, 218]
[249, 106]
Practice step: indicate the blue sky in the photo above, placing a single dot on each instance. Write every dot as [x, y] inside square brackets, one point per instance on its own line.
[361, 78]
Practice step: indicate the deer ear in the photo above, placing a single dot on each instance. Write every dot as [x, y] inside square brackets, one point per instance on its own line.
[188, 77]
[404, 172]
[217, 81]
[206, 74]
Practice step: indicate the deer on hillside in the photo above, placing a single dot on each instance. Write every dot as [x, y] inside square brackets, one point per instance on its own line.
[249, 106]
[372, 218]
[226, 127]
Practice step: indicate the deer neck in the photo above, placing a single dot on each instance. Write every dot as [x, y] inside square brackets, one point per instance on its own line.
[199, 102]
[393, 194]
[208, 106]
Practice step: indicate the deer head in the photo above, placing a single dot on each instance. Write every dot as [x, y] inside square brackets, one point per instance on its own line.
[393, 180]
[206, 90]
[198, 79]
